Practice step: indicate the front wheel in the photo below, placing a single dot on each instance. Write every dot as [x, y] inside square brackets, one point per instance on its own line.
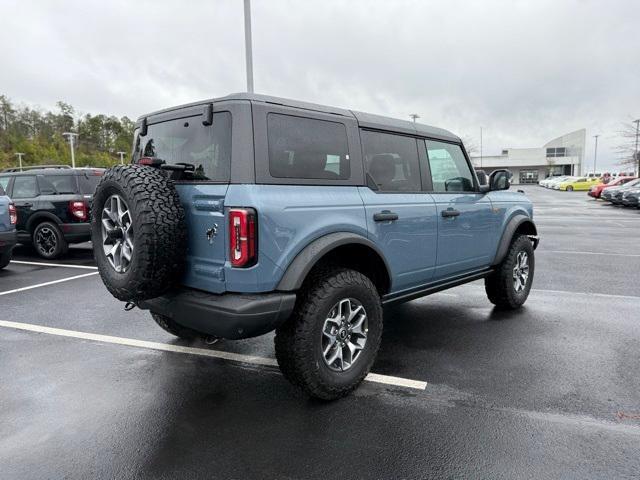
[509, 285]
[569, 188]
[328, 345]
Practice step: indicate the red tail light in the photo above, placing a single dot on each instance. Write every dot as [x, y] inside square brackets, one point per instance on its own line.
[78, 209]
[243, 237]
[13, 214]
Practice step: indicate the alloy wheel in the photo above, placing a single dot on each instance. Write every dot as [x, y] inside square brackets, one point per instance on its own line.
[521, 271]
[46, 241]
[117, 233]
[344, 334]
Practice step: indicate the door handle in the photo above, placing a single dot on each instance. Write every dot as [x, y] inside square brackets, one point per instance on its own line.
[26, 204]
[450, 212]
[385, 216]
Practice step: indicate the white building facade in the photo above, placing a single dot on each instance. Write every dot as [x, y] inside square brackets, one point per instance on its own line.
[562, 155]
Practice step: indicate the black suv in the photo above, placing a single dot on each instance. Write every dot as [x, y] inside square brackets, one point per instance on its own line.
[52, 204]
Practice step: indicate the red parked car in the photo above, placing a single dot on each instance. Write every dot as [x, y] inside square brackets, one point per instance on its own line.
[596, 190]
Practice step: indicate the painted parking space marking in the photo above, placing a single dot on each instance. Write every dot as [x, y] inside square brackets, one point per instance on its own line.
[53, 282]
[592, 253]
[229, 356]
[63, 265]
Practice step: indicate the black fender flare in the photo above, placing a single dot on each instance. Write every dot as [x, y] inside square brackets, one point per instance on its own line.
[509, 231]
[39, 217]
[302, 264]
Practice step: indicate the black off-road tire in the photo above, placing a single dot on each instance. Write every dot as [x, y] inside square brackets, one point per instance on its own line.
[5, 258]
[159, 232]
[298, 341]
[168, 325]
[61, 246]
[499, 285]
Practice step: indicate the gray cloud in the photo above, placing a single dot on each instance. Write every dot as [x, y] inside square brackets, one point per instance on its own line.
[526, 71]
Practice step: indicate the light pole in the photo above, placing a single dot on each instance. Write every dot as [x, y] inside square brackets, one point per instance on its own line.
[19, 155]
[637, 156]
[70, 136]
[480, 147]
[122, 154]
[595, 155]
[247, 44]
[414, 116]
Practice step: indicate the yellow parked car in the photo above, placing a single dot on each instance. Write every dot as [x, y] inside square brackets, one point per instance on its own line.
[579, 183]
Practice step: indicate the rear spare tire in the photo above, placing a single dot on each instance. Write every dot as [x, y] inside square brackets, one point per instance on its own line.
[138, 232]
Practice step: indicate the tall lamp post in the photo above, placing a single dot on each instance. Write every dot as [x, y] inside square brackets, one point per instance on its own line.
[70, 136]
[595, 154]
[19, 155]
[480, 147]
[247, 44]
[122, 154]
[637, 155]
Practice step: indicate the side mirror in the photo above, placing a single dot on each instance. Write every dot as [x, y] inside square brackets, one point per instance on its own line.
[500, 180]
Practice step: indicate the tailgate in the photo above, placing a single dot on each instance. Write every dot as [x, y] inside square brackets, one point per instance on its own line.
[207, 235]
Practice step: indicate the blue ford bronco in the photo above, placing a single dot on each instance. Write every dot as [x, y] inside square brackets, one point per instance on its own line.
[246, 214]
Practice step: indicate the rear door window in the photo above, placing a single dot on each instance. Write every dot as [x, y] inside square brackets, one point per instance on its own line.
[450, 171]
[391, 161]
[307, 148]
[57, 184]
[24, 187]
[187, 140]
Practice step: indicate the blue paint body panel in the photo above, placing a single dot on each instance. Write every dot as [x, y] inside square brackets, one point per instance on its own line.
[421, 247]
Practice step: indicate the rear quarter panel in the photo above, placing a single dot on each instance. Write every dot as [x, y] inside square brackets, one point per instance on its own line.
[5, 221]
[289, 218]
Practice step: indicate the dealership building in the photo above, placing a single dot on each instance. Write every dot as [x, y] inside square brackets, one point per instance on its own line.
[562, 155]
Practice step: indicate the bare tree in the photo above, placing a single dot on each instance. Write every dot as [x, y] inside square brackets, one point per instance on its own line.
[627, 148]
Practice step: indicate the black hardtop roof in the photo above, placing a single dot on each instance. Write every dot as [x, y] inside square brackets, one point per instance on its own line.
[366, 120]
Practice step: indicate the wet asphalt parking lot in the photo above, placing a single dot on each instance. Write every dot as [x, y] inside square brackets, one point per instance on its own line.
[88, 390]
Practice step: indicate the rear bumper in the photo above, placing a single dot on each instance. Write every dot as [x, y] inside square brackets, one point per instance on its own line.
[8, 241]
[230, 315]
[76, 232]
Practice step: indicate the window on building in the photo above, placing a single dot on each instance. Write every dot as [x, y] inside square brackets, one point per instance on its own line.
[307, 148]
[505, 152]
[557, 152]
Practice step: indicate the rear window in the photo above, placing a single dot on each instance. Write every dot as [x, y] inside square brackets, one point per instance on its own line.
[391, 161]
[187, 140]
[307, 148]
[88, 182]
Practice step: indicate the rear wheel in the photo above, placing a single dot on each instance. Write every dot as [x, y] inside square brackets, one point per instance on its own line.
[328, 345]
[168, 325]
[48, 240]
[509, 285]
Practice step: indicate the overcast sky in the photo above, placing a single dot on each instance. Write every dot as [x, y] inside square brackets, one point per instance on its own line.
[526, 71]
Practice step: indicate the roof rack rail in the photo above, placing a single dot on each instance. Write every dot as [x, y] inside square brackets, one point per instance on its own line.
[35, 167]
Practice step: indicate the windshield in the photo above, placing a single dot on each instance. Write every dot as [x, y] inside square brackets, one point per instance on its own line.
[187, 140]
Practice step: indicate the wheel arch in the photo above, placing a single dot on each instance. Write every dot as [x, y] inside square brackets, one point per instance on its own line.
[519, 224]
[39, 218]
[340, 248]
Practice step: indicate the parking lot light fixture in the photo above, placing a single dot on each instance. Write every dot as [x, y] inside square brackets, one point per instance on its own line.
[414, 117]
[122, 154]
[70, 136]
[595, 154]
[19, 155]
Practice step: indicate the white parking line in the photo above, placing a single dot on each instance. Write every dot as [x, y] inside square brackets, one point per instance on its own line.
[43, 264]
[15, 290]
[230, 356]
[593, 253]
